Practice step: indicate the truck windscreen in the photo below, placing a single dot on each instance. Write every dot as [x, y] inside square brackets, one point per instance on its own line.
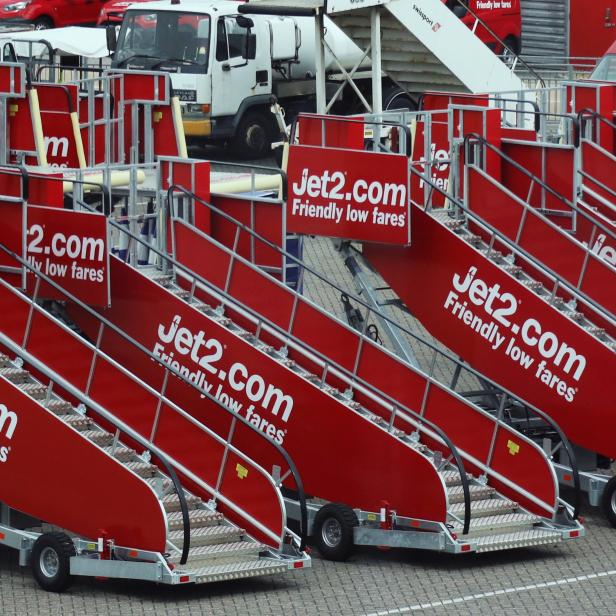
[154, 38]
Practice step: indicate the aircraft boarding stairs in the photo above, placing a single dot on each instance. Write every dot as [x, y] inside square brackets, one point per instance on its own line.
[552, 290]
[424, 46]
[399, 411]
[102, 455]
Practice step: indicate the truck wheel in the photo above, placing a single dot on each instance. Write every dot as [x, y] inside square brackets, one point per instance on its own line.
[608, 501]
[51, 556]
[333, 531]
[43, 23]
[397, 98]
[254, 136]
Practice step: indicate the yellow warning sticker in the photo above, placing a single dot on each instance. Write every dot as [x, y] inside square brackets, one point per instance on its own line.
[242, 471]
[513, 447]
[372, 517]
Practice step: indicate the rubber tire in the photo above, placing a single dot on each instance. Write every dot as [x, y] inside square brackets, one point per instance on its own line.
[608, 501]
[64, 548]
[254, 136]
[397, 98]
[43, 23]
[347, 519]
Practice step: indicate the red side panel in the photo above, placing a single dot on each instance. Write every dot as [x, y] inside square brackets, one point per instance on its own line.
[340, 455]
[326, 131]
[550, 245]
[516, 339]
[470, 429]
[49, 471]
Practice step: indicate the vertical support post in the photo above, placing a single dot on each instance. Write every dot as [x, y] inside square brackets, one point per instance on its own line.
[319, 62]
[375, 45]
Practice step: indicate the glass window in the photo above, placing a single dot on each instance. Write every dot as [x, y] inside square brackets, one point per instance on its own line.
[606, 69]
[165, 35]
[232, 39]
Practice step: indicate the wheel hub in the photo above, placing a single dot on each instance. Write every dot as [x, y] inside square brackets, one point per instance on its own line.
[331, 532]
[49, 562]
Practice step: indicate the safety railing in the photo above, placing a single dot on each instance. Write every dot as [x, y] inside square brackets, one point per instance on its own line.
[397, 410]
[357, 383]
[163, 401]
[576, 284]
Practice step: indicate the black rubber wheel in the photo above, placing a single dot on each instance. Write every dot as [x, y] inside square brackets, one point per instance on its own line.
[333, 531]
[254, 135]
[608, 501]
[397, 98]
[51, 555]
[43, 23]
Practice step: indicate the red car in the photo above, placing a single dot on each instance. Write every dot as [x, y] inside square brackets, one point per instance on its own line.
[49, 13]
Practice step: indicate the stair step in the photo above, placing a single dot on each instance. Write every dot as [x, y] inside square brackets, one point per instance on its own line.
[124, 454]
[489, 524]
[235, 571]
[453, 478]
[143, 469]
[199, 518]
[533, 285]
[15, 375]
[518, 539]
[481, 508]
[171, 502]
[77, 421]
[100, 437]
[34, 390]
[456, 493]
[5, 360]
[594, 330]
[236, 552]
[59, 407]
[206, 536]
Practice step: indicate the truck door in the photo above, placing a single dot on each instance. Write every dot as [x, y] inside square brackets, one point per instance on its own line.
[234, 74]
[592, 27]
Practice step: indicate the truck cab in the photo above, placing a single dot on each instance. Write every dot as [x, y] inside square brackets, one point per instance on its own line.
[503, 17]
[220, 66]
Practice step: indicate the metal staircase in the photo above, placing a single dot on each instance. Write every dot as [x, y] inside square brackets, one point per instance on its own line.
[426, 47]
[502, 522]
[219, 550]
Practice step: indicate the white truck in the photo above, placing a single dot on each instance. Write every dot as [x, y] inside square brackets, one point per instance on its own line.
[226, 67]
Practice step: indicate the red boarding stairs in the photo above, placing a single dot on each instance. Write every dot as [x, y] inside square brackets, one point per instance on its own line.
[172, 517]
[328, 374]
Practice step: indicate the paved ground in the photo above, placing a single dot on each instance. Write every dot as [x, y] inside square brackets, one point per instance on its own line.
[572, 579]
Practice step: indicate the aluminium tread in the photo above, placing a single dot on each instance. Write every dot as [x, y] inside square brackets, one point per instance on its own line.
[456, 493]
[198, 518]
[206, 536]
[497, 523]
[234, 551]
[517, 539]
[234, 571]
[486, 507]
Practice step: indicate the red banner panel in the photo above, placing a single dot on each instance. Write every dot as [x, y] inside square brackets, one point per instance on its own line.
[71, 249]
[369, 201]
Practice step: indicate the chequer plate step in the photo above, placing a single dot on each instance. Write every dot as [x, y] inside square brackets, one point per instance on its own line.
[518, 539]
[456, 493]
[207, 536]
[198, 518]
[234, 571]
[233, 551]
[486, 507]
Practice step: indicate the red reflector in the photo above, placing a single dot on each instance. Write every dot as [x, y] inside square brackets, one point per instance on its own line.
[133, 553]
[2, 535]
[415, 524]
[298, 565]
[581, 519]
[466, 548]
[454, 536]
[574, 533]
[184, 579]
[567, 477]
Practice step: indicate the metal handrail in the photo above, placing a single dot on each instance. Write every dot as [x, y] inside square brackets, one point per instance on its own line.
[534, 179]
[594, 115]
[415, 336]
[171, 404]
[395, 405]
[595, 195]
[74, 391]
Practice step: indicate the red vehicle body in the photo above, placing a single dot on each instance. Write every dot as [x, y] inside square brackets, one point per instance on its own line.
[503, 18]
[45, 14]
